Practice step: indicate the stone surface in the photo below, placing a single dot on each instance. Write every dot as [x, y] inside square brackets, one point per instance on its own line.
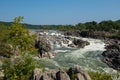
[62, 75]
[58, 74]
[112, 54]
[79, 43]
[78, 74]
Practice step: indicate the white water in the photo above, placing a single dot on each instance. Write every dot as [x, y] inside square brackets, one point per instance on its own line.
[88, 58]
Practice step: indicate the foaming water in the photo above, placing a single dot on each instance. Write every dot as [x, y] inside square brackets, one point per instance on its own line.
[88, 58]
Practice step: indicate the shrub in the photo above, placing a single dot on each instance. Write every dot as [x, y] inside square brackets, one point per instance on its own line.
[99, 76]
[19, 68]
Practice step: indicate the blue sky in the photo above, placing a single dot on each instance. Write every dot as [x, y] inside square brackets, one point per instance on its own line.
[60, 11]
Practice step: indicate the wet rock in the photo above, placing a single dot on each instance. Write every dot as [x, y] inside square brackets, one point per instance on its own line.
[65, 41]
[80, 43]
[72, 45]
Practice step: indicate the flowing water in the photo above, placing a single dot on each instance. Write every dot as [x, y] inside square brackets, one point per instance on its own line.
[88, 58]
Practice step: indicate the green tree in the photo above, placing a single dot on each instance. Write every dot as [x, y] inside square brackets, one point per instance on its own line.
[20, 37]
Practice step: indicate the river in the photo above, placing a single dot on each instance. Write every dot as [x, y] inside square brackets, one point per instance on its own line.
[88, 58]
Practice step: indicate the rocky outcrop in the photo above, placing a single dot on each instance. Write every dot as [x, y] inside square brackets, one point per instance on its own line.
[58, 74]
[71, 33]
[44, 48]
[95, 34]
[112, 54]
[78, 43]
[89, 33]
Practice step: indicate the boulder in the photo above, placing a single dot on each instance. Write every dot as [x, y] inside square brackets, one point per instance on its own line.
[44, 47]
[78, 74]
[46, 76]
[36, 74]
[80, 43]
[62, 75]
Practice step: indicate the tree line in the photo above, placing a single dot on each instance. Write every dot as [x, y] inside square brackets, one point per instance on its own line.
[107, 25]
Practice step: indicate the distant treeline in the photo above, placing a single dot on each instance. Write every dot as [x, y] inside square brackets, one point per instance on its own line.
[93, 25]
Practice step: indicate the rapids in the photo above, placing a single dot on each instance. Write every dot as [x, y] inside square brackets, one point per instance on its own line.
[88, 58]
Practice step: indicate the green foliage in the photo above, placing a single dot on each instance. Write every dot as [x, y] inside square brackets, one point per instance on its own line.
[99, 76]
[73, 76]
[19, 68]
[5, 49]
[20, 37]
[16, 38]
[102, 26]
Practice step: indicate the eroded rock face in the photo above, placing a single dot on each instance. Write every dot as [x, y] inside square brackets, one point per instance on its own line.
[112, 54]
[58, 74]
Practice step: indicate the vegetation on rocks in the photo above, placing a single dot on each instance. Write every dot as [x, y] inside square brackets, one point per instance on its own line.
[99, 76]
[18, 68]
[15, 39]
[15, 42]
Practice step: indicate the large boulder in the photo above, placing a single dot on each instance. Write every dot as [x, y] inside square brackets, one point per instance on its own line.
[80, 43]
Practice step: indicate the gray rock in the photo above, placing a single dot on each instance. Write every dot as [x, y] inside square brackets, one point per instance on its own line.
[72, 45]
[46, 76]
[80, 43]
[62, 75]
[112, 54]
[55, 74]
[78, 74]
[36, 75]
